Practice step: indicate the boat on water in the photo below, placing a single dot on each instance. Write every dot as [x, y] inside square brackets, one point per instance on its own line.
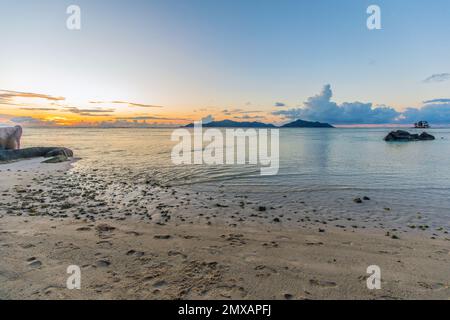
[422, 125]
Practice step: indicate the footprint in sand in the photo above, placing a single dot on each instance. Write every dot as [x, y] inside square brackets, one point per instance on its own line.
[104, 243]
[135, 253]
[212, 250]
[283, 238]
[234, 239]
[104, 230]
[433, 286]
[226, 291]
[102, 263]
[162, 237]
[83, 229]
[159, 284]
[314, 243]
[134, 233]
[272, 244]
[288, 296]
[27, 245]
[323, 283]
[363, 278]
[172, 253]
[264, 271]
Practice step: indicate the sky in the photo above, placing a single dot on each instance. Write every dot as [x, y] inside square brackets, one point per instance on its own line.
[169, 62]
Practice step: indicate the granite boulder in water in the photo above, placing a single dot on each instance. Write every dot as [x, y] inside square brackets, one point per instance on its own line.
[61, 154]
[401, 135]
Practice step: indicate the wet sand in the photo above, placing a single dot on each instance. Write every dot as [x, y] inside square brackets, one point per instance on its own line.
[135, 239]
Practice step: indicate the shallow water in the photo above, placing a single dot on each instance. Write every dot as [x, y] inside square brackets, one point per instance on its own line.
[328, 167]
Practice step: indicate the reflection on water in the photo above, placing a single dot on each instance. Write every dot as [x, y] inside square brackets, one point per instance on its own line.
[324, 160]
[309, 158]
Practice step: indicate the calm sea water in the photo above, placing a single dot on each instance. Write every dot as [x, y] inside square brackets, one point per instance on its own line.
[325, 165]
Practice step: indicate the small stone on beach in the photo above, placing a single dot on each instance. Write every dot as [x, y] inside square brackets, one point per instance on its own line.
[104, 227]
[162, 237]
[102, 263]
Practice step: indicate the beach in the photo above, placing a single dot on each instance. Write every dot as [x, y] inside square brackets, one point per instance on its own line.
[240, 150]
[136, 239]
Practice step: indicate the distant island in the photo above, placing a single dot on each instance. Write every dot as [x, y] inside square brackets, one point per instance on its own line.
[236, 124]
[306, 124]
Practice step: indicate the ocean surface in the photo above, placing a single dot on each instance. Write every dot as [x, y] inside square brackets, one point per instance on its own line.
[326, 167]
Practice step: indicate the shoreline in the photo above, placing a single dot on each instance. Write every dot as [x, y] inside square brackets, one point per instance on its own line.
[162, 254]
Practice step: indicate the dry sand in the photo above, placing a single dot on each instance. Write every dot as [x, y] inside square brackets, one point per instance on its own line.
[170, 257]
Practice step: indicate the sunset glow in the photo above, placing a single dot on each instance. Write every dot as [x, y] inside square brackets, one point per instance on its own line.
[166, 63]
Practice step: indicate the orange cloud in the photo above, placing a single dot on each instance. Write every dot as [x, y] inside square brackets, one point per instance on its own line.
[8, 95]
[133, 104]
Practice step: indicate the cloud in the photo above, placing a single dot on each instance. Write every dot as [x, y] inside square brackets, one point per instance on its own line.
[90, 112]
[209, 118]
[10, 102]
[239, 111]
[321, 108]
[138, 118]
[31, 121]
[131, 124]
[5, 117]
[434, 111]
[23, 119]
[7, 95]
[437, 101]
[280, 104]
[248, 117]
[438, 77]
[39, 109]
[133, 104]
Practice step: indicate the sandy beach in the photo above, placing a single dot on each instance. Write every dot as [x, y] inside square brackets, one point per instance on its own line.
[240, 150]
[144, 241]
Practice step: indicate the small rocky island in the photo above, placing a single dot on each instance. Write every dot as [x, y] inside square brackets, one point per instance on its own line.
[236, 124]
[307, 124]
[401, 135]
